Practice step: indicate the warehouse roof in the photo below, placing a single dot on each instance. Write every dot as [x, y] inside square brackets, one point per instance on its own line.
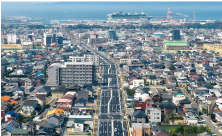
[175, 43]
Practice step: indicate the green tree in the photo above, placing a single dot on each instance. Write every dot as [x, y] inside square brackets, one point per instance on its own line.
[180, 129]
[130, 92]
[201, 129]
[172, 67]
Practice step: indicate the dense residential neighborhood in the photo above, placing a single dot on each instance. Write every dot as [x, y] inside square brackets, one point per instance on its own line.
[58, 80]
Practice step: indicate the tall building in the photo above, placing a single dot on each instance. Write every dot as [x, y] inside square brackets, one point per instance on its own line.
[176, 35]
[85, 58]
[72, 73]
[112, 35]
[11, 38]
[31, 36]
[53, 38]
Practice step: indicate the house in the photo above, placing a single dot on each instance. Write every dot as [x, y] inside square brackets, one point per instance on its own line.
[58, 92]
[138, 117]
[142, 105]
[184, 101]
[43, 90]
[56, 120]
[168, 107]
[190, 108]
[41, 99]
[30, 126]
[191, 118]
[11, 115]
[7, 128]
[19, 132]
[177, 98]
[154, 114]
[78, 125]
[29, 106]
[141, 129]
[138, 82]
[160, 133]
[65, 102]
[84, 94]
[80, 102]
[44, 131]
[218, 116]
[58, 112]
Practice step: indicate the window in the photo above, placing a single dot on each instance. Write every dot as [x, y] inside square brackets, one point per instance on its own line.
[158, 117]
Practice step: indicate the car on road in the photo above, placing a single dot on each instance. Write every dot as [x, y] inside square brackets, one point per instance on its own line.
[115, 129]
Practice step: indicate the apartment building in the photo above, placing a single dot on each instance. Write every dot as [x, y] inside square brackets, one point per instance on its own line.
[128, 61]
[72, 73]
[85, 58]
[50, 38]
[154, 114]
[11, 38]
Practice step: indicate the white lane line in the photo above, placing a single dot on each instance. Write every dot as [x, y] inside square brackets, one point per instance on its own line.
[110, 101]
[112, 129]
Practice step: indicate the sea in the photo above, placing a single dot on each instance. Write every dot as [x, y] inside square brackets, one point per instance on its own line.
[99, 10]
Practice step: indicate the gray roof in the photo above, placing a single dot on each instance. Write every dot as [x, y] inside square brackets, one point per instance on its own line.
[43, 89]
[29, 102]
[191, 106]
[41, 97]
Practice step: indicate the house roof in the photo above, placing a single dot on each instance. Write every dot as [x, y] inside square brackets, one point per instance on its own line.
[191, 106]
[41, 97]
[44, 131]
[43, 89]
[9, 128]
[19, 131]
[168, 105]
[5, 98]
[185, 101]
[64, 100]
[13, 102]
[81, 100]
[55, 111]
[29, 102]
[47, 125]
[161, 133]
[79, 121]
[139, 114]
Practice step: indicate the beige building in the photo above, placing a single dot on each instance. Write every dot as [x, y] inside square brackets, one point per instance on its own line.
[141, 129]
[213, 47]
[128, 61]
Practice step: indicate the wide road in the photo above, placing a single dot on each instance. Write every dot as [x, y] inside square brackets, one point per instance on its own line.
[111, 110]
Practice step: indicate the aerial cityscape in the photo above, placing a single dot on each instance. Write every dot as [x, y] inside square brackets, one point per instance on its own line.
[111, 68]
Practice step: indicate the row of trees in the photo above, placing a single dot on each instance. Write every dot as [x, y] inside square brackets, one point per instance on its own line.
[189, 130]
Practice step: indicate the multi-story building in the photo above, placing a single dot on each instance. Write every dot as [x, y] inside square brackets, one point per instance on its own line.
[11, 38]
[128, 61]
[177, 98]
[154, 114]
[85, 58]
[141, 129]
[175, 45]
[53, 38]
[111, 34]
[72, 73]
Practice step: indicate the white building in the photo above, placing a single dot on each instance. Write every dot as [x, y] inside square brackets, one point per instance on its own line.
[27, 44]
[154, 114]
[177, 98]
[85, 58]
[11, 38]
[138, 82]
[128, 61]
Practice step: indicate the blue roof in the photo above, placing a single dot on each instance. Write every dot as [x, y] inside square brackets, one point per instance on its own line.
[13, 114]
[9, 128]
[142, 56]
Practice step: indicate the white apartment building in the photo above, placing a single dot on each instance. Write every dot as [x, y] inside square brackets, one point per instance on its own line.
[85, 58]
[154, 114]
[177, 98]
[11, 38]
[128, 61]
